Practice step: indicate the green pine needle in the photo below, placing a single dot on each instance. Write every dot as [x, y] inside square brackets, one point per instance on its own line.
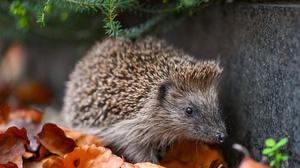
[29, 12]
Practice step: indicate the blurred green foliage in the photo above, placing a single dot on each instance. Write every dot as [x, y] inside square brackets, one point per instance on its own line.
[87, 19]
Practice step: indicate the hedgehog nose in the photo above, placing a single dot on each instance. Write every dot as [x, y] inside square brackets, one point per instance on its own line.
[220, 137]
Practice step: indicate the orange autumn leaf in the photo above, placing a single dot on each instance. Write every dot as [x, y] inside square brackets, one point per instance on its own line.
[27, 114]
[189, 154]
[18, 133]
[42, 153]
[28, 155]
[147, 165]
[140, 165]
[24, 118]
[53, 162]
[11, 149]
[247, 162]
[82, 139]
[8, 165]
[31, 129]
[55, 140]
[32, 92]
[33, 164]
[5, 91]
[4, 113]
[92, 157]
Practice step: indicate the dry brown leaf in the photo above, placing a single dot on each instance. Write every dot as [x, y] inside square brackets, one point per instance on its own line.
[247, 162]
[92, 157]
[28, 155]
[8, 165]
[33, 164]
[25, 118]
[53, 162]
[190, 154]
[32, 92]
[5, 91]
[141, 165]
[11, 149]
[32, 130]
[55, 140]
[42, 153]
[82, 155]
[99, 157]
[107, 159]
[8, 113]
[82, 139]
[127, 165]
[18, 133]
[12, 146]
[27, 114]
[147, 165]
[4, 112]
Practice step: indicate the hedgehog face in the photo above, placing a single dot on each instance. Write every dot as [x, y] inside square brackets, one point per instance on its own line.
[195, 112]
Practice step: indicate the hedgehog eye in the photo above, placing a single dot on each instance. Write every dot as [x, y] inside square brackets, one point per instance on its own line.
[189, 111]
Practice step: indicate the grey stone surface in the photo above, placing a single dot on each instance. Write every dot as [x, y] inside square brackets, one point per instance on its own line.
[259, 47]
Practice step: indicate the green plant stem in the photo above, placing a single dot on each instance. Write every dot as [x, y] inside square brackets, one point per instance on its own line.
[277, 161]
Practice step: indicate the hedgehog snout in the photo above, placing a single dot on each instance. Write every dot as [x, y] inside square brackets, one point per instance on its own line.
[220, 136]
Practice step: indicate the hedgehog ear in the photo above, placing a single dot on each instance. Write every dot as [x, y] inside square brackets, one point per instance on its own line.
[164, 88]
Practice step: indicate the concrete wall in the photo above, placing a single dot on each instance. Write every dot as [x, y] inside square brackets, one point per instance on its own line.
[259, 47]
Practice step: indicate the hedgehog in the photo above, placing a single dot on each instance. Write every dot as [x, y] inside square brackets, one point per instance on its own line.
[142, 96]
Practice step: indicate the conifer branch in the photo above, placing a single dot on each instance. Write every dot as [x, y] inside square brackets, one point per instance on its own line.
[108, 11]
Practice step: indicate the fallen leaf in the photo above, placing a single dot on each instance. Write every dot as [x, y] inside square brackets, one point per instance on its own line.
[42, 153]
[141, 165]
[33, 164]
[53, 162]
[4, 113]
[82, 139]
[5, 91]
[128, 165]
[31, 128]
[12, 146]
[147, 165]
[8, 165]
[193, 155]
[11, 149]
[18, 133]
[247, 162]
[24, 118]
[27, 114]
[55, 140]
[92, 157]
[32, 92]
[28, 155]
